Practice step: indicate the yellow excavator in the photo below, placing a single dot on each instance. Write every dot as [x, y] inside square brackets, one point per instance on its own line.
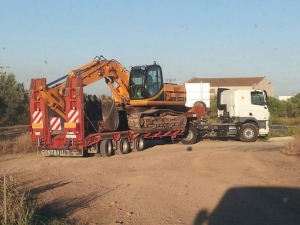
[148, 102]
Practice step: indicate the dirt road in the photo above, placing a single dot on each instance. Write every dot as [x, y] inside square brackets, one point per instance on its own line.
[212, 182]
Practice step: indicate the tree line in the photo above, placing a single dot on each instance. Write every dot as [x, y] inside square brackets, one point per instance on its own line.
[14, 103]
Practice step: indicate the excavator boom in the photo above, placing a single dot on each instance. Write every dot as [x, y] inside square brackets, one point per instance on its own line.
[99, 68]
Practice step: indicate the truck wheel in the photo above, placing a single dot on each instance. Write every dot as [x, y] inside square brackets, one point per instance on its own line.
[139, 144]
[190, 136]
[106, 148]
[248, 133]
[123, 147]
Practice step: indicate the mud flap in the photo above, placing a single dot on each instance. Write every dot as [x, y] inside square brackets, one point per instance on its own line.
[110, 115]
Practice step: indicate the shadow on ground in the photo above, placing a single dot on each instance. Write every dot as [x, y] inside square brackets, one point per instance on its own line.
[62, 208]
[255, 205]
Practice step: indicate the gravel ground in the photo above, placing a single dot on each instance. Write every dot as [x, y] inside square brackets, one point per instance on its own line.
[211, 182]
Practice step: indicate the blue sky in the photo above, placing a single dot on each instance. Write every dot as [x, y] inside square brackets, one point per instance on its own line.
[212, 38]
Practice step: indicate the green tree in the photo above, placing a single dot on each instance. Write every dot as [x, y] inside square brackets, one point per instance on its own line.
[293, 106]
[277, 108]
[213, 109]
[14, 104]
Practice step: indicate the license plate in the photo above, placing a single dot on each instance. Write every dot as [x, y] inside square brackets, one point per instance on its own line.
[60, 152]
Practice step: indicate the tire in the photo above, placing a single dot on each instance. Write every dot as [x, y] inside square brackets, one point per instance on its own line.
[97, 146]
[106, 148]
[139, 144]
[190, 136]
[248, 133]
[123, 147]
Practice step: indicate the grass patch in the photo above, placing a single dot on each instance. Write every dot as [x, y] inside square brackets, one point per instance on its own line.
[292, 131]
[19, 144]
[273, 134]
[285, 121]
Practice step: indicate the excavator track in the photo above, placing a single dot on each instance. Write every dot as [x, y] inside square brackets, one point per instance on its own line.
[155, 120]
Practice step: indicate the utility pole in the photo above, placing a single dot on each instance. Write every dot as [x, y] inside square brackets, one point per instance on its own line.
[1, 69]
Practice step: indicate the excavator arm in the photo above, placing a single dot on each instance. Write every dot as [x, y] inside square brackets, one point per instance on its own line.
[99, 68]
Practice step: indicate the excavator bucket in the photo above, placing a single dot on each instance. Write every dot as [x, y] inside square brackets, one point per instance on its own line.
[110, 115]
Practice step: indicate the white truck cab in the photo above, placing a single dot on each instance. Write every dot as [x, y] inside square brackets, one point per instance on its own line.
[245, 106]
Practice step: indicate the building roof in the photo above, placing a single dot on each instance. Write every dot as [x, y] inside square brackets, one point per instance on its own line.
[228, 82]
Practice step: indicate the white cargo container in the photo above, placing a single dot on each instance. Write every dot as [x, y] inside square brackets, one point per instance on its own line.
[197, 92]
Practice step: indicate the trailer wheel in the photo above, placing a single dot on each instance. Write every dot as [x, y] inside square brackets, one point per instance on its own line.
[106, 148]
[248, 133]
[123, 146]
[139, 144]
[190, 136]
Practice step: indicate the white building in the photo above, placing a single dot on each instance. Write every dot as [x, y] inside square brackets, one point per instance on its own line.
[284, 97]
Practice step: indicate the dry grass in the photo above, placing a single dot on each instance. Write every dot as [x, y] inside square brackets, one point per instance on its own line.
[293, 148]
[23, 208]
[19, 144]
[20, 206]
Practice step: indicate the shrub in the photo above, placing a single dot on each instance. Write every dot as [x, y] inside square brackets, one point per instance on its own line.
[20, 144]
[277, 108]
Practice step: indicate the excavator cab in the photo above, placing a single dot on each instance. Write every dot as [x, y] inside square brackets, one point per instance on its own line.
[145, 81]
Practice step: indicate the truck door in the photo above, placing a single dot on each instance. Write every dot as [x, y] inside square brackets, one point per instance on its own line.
[259, 107]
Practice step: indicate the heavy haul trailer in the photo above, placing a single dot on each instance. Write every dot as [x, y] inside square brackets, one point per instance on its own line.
[243, 115]
[64, 122]
[52, 137]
